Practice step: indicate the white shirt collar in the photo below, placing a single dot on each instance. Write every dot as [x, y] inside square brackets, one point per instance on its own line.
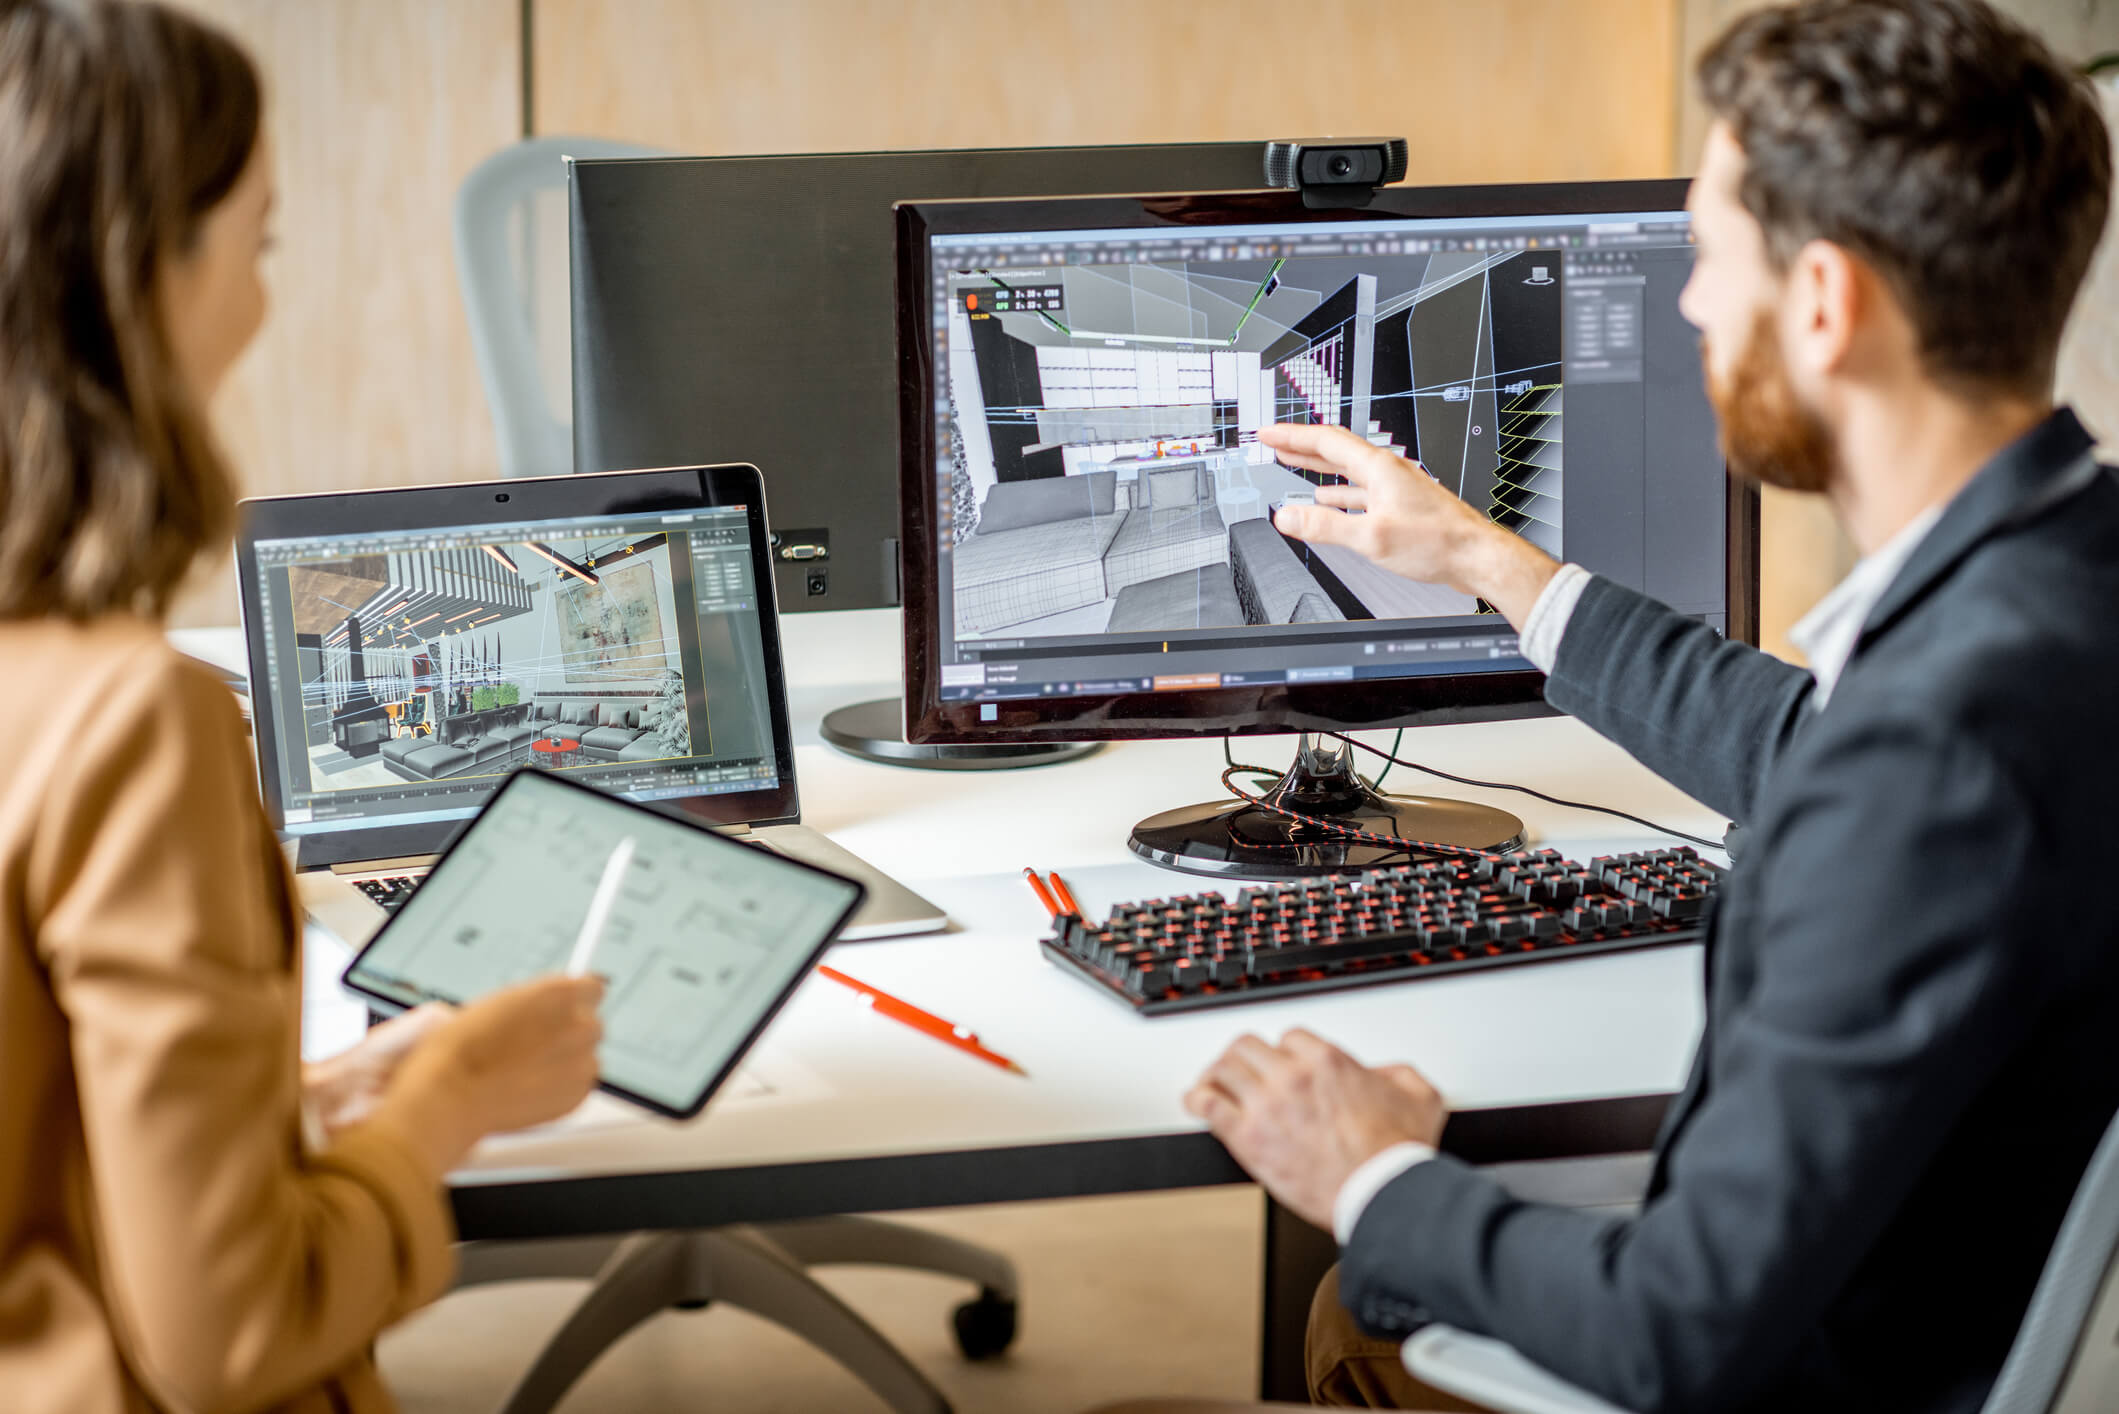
[1827, 634]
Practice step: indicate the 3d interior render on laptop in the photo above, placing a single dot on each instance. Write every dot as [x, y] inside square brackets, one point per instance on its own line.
[417, 669]
[412, 647]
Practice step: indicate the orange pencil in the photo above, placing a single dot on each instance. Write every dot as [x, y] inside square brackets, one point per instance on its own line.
[1066, 896]
[1044, 897]
[919, 1020]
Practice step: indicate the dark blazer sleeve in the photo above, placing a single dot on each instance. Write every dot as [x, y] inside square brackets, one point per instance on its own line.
[1886, 997]
[1705, 714]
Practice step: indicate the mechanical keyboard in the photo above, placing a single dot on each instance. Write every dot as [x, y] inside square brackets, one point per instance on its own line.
[1386, 925]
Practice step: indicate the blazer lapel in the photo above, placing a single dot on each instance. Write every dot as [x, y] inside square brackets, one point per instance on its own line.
[2019, 482]
[2032, 474]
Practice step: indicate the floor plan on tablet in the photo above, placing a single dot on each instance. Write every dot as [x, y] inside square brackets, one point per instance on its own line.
[702, 939]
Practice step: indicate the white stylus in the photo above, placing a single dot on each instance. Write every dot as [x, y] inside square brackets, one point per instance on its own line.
[600, 907]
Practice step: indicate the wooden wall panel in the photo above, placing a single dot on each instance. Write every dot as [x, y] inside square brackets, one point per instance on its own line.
[363, 375]
[1498, 90]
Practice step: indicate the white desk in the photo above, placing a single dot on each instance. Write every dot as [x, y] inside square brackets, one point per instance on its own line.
[1547, 1060]
[1564, 1031]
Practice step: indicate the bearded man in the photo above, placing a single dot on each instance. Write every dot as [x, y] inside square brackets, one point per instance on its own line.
[1912, 976]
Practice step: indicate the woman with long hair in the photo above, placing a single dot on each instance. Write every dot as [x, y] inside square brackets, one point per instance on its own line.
[189, 1218]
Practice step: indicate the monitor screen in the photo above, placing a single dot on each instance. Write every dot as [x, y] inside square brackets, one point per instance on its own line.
[407, 672]
[1097, 549]
[740, 309]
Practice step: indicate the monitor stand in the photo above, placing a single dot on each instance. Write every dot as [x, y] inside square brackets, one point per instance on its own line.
[1236, 839]
[875, 731]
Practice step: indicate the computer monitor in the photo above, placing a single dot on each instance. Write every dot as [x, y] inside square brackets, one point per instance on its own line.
[1089, 552]
[740, 309]
[413, 646]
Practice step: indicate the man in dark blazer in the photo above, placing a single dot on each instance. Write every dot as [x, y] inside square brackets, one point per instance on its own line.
[1912, 1035]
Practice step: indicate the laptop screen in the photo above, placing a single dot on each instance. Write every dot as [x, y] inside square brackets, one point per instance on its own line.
[408, 672]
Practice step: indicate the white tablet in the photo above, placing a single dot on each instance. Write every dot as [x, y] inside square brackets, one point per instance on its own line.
[706, 939]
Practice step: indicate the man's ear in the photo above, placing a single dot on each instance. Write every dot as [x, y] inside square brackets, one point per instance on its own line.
[1826, 296]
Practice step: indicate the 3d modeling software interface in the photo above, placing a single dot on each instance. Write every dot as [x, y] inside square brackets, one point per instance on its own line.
[1106, 504]
[411, 671]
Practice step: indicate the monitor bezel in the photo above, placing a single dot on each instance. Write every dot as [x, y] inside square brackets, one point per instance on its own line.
[441, 507]
[1438, 700]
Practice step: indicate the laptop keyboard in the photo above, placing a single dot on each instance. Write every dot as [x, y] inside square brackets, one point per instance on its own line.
[390, 891]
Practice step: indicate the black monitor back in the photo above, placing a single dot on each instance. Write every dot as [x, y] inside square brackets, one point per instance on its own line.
[740, 309]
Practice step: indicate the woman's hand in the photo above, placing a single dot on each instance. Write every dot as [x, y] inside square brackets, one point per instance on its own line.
[345, 1089]
[519, 1057]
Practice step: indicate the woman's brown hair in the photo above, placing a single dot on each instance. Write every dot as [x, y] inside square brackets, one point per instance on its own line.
[121, 126]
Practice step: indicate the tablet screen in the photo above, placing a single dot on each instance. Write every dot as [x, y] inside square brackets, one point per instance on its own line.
[705, 939]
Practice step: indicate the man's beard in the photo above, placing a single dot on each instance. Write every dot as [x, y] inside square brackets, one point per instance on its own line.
[1767, 434]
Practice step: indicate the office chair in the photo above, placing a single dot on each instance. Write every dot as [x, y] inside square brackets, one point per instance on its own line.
[634, 1277]
[2065, 1359]
[497, 267]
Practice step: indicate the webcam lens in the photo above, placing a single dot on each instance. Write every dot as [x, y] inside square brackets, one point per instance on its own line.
[1340, 165]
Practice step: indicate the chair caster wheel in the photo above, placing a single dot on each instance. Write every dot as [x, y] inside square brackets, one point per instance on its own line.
[985, 1327]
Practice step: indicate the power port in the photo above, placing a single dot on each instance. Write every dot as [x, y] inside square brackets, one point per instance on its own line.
[816, 582]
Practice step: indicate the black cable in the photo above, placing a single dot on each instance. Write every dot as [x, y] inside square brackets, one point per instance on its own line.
[1341, 827]
[1388, 761]
[1395, 760]
[1268, 773]
[1230, 757]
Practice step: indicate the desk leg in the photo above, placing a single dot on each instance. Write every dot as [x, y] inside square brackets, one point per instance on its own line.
[1296, 1259]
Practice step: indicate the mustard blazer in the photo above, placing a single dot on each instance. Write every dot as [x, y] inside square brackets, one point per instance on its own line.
[165, 1241]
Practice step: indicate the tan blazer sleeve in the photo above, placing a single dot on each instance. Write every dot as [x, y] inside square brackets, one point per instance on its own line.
[238, 1271]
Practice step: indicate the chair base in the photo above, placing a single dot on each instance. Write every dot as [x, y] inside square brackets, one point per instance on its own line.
[761, 1270]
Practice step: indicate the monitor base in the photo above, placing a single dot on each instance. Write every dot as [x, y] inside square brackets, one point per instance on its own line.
[875, 731]
[1244, 840]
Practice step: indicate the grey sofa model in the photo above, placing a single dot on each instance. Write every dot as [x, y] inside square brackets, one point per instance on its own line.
[422, 758]
[612, 732]
[470, 743]
[499, 739]
[1173, 526]
[1271, 583]
[1195, 598]
[1057, 543]
[1039, 549]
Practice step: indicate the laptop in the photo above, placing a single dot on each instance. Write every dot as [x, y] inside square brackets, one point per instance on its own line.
[411, 648]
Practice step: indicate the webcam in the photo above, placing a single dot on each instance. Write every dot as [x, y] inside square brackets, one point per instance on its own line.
[500, 495]
[1335, 172]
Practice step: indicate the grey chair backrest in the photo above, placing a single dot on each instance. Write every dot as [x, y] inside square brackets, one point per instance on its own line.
[493, 211]
[2066, 1356]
